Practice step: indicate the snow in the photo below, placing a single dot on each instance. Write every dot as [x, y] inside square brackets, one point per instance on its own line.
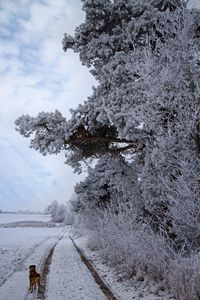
[23, 246]
[17, 245]
[15, 217]
[70, 277]
[123, 289]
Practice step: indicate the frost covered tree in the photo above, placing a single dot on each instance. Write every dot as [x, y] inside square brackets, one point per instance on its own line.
[172, 113]
[156, 84]
[110, 178]
[113, 31]
[57, 211]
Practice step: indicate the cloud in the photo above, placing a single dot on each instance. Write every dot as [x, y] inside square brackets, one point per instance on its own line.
[36, 75]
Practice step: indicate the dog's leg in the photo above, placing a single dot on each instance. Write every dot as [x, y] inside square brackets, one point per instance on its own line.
[31, 287]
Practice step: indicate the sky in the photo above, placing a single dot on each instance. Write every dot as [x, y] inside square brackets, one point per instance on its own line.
[36, 75]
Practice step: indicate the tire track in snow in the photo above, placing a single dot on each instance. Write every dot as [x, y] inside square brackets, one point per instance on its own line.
[100, 282]
[16, 286]
[43, 269]
[21, 264]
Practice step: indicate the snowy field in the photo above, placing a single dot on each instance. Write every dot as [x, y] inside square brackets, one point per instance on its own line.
[12, 217]
[18, 245]
[24, 243]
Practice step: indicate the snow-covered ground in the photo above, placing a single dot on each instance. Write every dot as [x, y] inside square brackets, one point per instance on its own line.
[69, 278]
[15, 217]
[136, 288]
[18, 245]
[64, 274]
[21, 246]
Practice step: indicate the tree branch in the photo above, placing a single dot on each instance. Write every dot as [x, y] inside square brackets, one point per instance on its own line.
[97, 139]
[122, 149]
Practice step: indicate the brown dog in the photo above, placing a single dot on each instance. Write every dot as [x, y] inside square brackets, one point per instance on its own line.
[34, 278]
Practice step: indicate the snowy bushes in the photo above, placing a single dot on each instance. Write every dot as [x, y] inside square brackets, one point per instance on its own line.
[183, 277]
[138, 253]
[184, 197]
[57, 212]
[60, 213]
[69, 213]
[126, 240]
[133, 247]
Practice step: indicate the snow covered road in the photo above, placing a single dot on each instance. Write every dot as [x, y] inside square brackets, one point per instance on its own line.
[16, 284]
[67, 276]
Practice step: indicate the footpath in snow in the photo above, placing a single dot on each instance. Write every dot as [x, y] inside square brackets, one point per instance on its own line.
[69, 278]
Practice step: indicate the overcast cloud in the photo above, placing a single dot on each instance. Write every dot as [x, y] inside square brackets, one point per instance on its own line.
[36, 75]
